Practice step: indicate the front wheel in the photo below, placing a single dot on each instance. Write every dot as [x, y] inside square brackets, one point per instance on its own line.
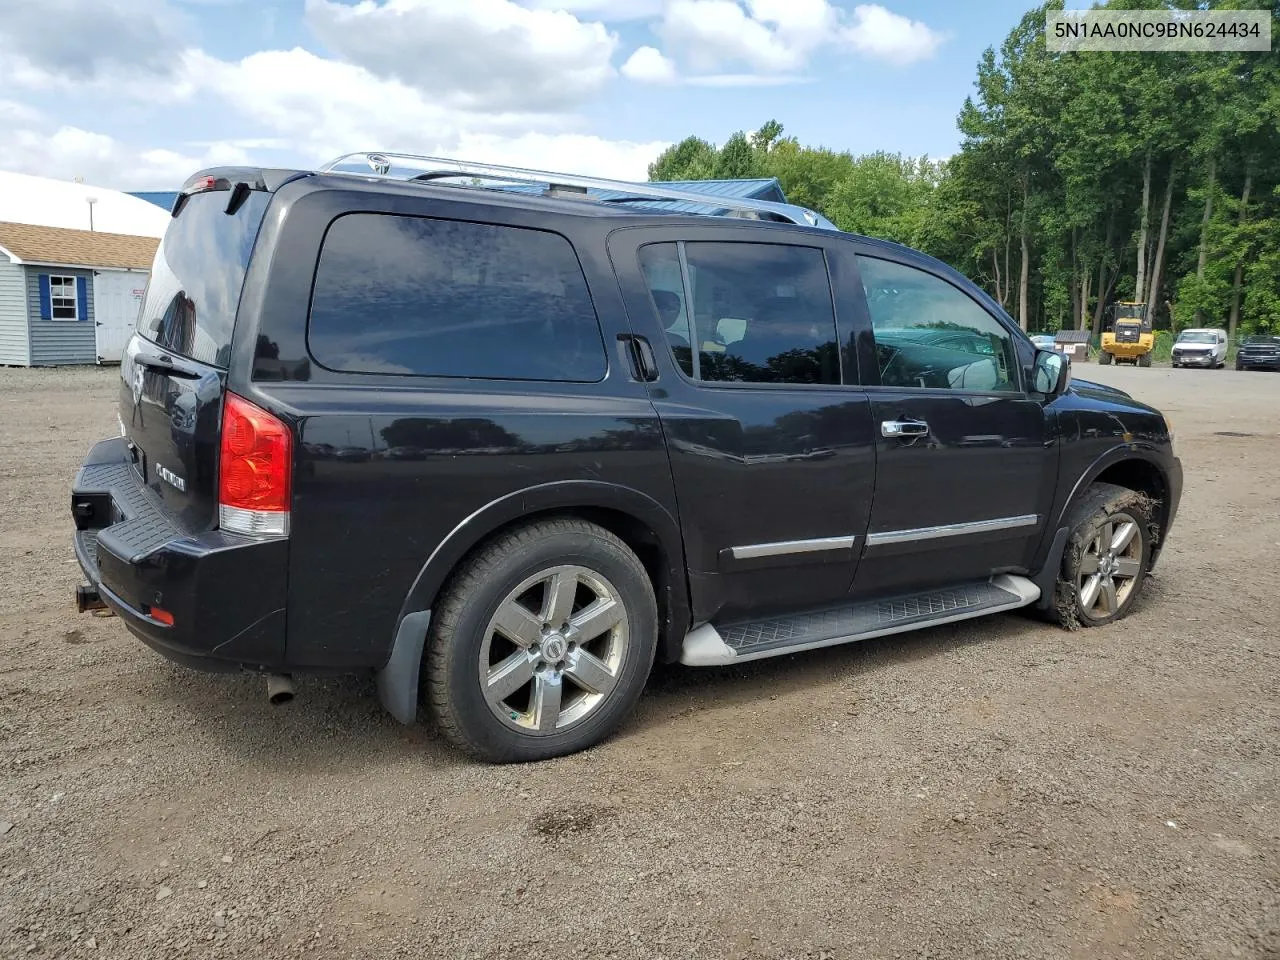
[1104, 358]
[1107, 558]
[1144, 360]
[542, 643]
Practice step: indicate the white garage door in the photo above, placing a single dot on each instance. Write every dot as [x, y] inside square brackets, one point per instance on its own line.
[117, 297]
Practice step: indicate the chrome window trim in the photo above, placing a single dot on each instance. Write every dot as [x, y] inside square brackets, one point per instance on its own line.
[952, 530]
[752, 551]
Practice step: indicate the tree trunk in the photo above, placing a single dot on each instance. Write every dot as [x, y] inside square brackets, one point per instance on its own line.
[1024, 281]
[1082, 322]
[1104, 288]
[1008, 245]
[1143, 231]
[1202, 261]
[1237, 285]
[1073, 288]
[1158, 268]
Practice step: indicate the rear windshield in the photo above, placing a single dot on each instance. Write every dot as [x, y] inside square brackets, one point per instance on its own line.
[191, 301]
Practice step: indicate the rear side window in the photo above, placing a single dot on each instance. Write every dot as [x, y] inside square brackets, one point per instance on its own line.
[443, 298]
[761, 312]
[197, 275]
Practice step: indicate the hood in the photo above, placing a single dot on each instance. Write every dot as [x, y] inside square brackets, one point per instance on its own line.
[1088, 388]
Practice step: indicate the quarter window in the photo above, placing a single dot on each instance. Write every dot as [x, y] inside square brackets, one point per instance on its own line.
[761, 312]
[930, 334]
[62, 298]
[443, 298]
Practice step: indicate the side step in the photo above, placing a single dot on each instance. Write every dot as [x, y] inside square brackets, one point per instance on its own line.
[712, 646]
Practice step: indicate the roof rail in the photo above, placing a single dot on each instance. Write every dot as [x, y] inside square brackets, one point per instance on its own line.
[403, 166]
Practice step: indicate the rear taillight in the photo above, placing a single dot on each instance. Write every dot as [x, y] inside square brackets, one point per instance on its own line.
[255, 471]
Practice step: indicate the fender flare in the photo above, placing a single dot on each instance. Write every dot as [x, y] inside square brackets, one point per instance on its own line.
[398, 679]
[1119, 454]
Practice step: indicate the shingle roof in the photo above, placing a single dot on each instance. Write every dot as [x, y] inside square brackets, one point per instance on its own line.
[76, 248]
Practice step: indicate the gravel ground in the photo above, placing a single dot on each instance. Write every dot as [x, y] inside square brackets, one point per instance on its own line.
[998, 788]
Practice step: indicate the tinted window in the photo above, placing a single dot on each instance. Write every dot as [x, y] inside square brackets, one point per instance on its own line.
[761, 312]
[931, 334]
[194, 288]
[410, 295]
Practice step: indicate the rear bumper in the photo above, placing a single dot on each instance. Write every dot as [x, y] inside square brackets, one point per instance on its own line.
[226, 593]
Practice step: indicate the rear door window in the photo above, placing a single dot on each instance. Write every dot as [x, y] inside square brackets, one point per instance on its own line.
[761, 312]
[440, 298]
[198, 272]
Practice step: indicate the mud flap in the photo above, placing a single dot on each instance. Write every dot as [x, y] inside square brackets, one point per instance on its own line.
[398, 680]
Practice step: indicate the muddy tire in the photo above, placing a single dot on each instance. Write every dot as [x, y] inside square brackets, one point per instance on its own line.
[1108, 555]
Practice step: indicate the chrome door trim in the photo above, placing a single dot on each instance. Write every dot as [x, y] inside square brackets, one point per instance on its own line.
[951, 530]
[783, 547]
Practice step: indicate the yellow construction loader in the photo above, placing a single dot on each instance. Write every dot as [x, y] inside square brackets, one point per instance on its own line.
[1127, 337]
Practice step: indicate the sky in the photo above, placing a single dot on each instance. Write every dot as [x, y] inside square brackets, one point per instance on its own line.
[139, 94]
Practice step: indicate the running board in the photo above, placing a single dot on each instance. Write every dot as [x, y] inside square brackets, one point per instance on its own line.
[712, 646]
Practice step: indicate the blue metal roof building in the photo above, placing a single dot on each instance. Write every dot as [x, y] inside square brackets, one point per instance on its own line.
[161, 198]
[762, 189]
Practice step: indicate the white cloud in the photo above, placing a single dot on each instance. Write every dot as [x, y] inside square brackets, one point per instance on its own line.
[889, 36]
[648, 65]
[564, 153]
[57, 43]
[67, 152]
[477, 55]
[779, 37]
[608, 10]
[711, 33]
[296, 107]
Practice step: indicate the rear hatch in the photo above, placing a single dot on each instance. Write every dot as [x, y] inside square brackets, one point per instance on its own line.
[173, 372]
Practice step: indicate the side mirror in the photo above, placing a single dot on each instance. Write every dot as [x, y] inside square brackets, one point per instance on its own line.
[1051, 374]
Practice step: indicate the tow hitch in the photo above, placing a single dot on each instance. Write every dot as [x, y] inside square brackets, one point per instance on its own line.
[87, 599]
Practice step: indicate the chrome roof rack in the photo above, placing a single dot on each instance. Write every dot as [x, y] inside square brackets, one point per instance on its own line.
[403, 166]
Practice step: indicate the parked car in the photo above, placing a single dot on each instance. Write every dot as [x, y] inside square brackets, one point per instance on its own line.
[1201, 347]
[1044, 341]
[637, 436]
[1260, 352]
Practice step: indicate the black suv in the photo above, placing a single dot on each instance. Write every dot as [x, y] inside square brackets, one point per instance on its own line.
[505, 448]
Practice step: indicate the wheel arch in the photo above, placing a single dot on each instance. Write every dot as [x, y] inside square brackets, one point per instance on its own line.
[1134, 468]
[642, 523]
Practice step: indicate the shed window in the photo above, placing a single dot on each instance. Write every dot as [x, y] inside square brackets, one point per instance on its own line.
[62, 298]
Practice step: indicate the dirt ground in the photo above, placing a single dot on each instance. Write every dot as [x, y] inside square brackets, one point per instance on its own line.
[997, 788]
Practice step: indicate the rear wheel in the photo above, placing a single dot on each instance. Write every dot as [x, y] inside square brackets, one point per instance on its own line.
[1104, 358]
[542, 643]
[1144, 360]
[1107, 557]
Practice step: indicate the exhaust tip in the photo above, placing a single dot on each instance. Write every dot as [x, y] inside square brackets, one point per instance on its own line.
[279, 689]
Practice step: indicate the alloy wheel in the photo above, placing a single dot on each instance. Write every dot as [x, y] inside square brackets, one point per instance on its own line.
[553, 650]
[1110, 567]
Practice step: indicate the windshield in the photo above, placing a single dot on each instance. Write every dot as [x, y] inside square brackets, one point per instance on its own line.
[191, 301]
[1263, 339]
[1198, 336]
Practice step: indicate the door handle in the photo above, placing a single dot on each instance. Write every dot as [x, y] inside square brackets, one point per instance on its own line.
[644, 365]
[903, 428]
